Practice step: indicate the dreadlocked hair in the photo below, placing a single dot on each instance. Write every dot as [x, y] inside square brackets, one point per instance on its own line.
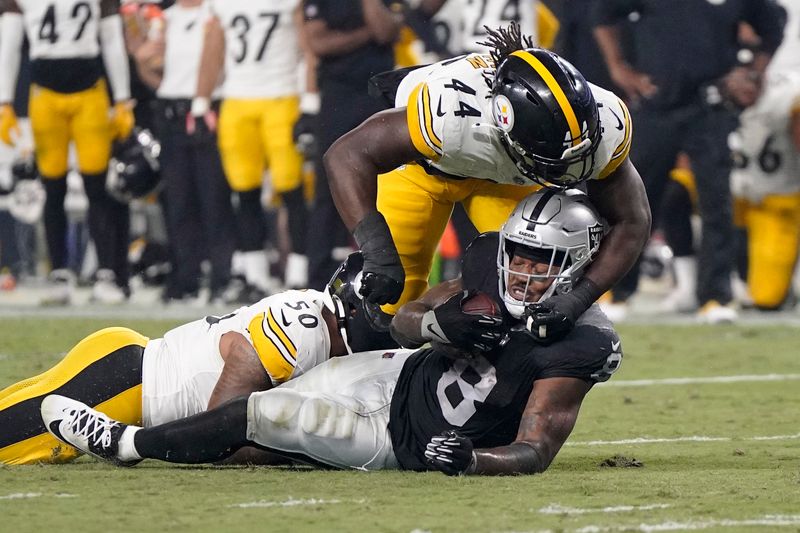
[504, 41]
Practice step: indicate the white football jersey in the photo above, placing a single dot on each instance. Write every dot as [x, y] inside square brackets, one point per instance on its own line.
[451, 122]
[262, 47]
[181, 369]
[62, 29]
[765, 157]
[495, 14]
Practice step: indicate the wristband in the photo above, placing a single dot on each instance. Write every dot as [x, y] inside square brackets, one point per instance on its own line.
[309, 103]
[200, 106]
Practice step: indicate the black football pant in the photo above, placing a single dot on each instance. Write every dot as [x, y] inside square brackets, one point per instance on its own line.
[702, 133]
[199, 213]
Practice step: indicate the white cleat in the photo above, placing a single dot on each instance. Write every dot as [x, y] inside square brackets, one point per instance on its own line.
[105, 290]
[60, 286]
[82, 427]
[714, 312]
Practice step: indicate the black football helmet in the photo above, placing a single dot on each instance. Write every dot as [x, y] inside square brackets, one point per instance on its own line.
[134, 170]
[360, 328]
[548, 117]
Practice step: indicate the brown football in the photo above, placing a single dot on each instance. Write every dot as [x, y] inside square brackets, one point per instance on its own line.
[480, 304]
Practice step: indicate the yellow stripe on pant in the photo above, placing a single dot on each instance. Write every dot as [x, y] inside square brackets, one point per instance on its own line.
[103, 370]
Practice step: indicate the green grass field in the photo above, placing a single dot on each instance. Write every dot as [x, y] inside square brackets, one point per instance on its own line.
[714, 454]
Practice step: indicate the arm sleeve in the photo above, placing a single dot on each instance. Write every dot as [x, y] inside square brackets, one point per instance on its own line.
[426, 134]
[115, 57]
[11, 37]
[768, 18]
[275, 348]
[623, 148]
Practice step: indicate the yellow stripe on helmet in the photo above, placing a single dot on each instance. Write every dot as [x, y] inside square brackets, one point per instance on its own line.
[558, 92]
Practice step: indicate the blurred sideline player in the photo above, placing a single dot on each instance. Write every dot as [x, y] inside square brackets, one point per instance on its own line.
[465, 131]
[69, 103]
[467, 405]
[765, 180]
[255, 44]
[192, 368]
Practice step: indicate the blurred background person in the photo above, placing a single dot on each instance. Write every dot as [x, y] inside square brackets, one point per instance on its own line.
[255, 43]
[685, 89]
[199, 213]
[766, 177]
[353, 40]
[70, 103]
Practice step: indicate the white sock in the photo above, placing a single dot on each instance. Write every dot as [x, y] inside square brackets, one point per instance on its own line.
[256, 269]
[126, 450]
[686, 274]
[296, 271]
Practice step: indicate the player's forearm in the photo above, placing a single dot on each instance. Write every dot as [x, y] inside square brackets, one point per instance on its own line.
[383, 24]
[353, 181]
[516, 458]
[406, 326]
[618, 253]
[149, 61]
[607, 38]
[11, 37]
[243, 372]
[212, 60]
[325, 42]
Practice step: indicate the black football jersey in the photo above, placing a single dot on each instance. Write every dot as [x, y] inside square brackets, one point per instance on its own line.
[484, 397]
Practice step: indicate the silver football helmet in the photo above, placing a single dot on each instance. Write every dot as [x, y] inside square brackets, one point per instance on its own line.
[560, 229]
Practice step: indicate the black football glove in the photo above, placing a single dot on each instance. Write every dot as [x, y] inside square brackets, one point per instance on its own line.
[448, 324]
[554, 318]
[452, 453]
[304, 134]
[384, 277]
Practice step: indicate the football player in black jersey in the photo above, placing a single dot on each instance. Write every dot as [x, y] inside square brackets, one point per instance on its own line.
[492, 402]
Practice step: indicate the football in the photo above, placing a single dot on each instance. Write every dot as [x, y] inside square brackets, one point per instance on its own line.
[480, 303]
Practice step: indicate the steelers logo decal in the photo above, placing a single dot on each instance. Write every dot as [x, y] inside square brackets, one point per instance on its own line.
[503, 112]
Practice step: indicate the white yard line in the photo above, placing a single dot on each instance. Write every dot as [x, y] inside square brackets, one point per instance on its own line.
[765, 521]
[291, 502]
[29, 495]
[555, 508]
[693, 438]
[701, 380]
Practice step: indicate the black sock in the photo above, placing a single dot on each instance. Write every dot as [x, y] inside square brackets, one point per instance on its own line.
[203, 438]
[296, 206]
[250, 220]
[55, 220]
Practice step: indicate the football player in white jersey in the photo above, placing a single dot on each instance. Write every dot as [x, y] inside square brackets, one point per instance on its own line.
[193, 367]
[452, 407]
[486, 131]
[461, 24]
[256, 45]
[69, 103]
[765, 181]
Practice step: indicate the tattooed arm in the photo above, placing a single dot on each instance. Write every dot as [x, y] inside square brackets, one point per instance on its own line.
[546, 423]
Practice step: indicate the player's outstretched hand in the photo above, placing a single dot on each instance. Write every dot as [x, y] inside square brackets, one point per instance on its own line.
[448, 323]
[548, 321]
[452, 453]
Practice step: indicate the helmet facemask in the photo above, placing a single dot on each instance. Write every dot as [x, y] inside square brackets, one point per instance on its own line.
[560, 233]
[563, 270]
[341, 291]
[573, 167]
